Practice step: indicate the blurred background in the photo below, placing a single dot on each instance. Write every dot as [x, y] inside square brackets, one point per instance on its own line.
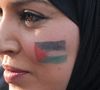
[3, 84]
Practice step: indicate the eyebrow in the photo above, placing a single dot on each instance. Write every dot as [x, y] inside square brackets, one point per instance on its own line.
[23, 2]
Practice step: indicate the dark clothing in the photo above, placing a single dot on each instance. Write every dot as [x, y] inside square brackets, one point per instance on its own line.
[86, 14]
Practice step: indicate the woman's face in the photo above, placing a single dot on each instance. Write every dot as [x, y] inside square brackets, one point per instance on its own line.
[40, 45]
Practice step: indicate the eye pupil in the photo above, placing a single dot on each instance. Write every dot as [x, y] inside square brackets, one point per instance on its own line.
[32, 17]
[28, 17]
[1, 13]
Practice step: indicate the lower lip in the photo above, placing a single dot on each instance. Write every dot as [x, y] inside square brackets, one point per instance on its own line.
[12, 77]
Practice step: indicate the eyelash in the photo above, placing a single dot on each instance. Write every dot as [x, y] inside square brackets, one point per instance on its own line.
[31, 18]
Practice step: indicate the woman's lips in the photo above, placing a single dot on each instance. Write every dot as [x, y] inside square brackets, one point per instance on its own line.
[12, 74]
[13, 69]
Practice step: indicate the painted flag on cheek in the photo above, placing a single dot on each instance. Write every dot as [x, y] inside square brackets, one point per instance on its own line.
[50, 52]
[40, 53]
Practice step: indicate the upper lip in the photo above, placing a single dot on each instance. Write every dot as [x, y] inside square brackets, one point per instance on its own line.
[13, 69]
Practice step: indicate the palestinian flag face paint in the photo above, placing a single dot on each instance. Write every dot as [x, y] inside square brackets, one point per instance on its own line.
[51, 52]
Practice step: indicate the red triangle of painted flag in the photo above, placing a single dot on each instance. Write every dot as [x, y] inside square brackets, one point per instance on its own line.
[40, 54]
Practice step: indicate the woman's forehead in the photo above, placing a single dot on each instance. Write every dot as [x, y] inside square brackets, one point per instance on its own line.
[14, 2]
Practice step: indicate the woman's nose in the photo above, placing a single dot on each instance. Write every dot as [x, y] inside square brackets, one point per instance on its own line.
[8, 43]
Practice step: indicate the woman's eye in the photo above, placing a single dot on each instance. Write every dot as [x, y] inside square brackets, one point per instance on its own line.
[1, 13]
[30, 18]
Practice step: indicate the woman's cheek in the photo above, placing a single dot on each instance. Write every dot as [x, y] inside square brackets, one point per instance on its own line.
[47, 51]
[50, 52]
[29, 52]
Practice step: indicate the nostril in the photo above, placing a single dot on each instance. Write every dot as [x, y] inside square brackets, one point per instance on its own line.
[9, 53]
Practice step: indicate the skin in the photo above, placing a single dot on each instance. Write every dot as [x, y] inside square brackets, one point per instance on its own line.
[29, 36]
